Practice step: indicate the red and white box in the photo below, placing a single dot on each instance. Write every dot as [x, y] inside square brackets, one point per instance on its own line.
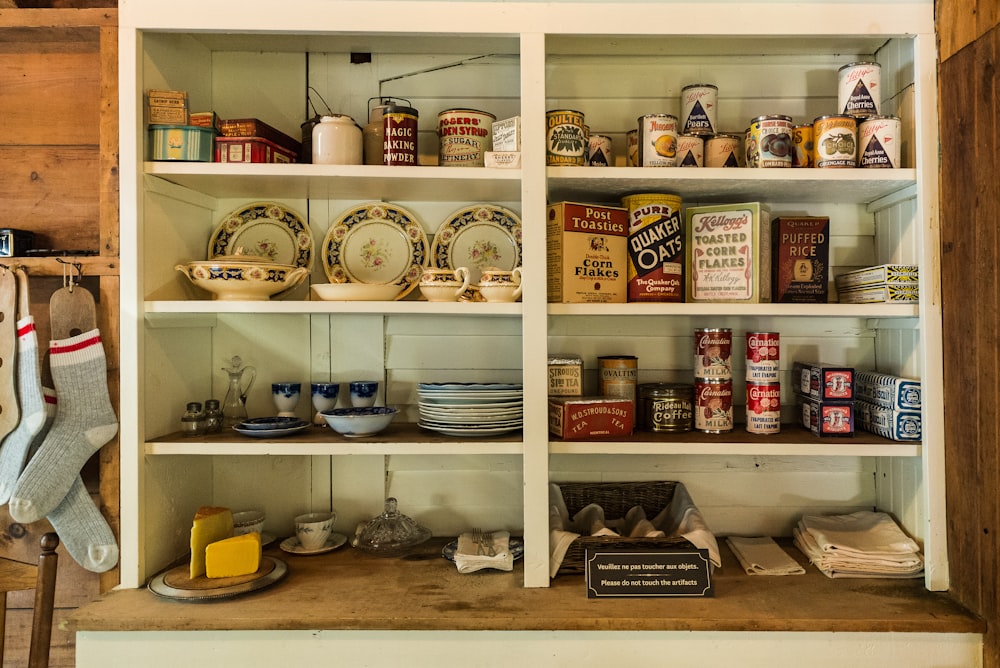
[575, 418]
[251, 149]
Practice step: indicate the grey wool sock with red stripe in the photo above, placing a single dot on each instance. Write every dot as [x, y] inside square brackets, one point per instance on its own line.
[85, 420]
[17, 444]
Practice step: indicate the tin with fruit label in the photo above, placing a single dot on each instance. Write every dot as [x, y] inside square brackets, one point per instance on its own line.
[713, 405]
[632, 148]
[723, 150]
[803, 149]
[763, 408]
[690, 150]
[836, 141]
[698, 109]
[658, 140]
[878, 142]
[762, 357]
[565, 138]
[859, 88]
[769, 142]
[713, 353]
[599, 151]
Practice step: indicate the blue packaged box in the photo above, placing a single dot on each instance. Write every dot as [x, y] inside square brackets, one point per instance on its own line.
[889, 391]
[889, 423]
[187, 143]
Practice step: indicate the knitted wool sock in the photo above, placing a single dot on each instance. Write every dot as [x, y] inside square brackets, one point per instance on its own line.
[84, 531]
[16, 445]
[84, 422]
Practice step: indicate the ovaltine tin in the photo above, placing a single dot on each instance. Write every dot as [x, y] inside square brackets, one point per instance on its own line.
[878, 142]
[618, 375]
[803, 148]
[763, 408]
[655, 248]
[464, 136]
[665, 407]
[690, 151]
[723, 150]
[565, 140]
[858, 87]
[657, 140]
[698, 108]
[713, 405]
[835, 138]
[632, 148]
[400, 144]
[599, 151]
[769, 142]
[762, 357]
[713, 353]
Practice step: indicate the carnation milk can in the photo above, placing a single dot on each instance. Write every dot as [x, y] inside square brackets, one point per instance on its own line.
[762, 357]
[698, 109]
[858, 87]
[565, 138]
[713, 405]
[655, 248]
[657, 140]
[878, 142]
[763, 408]
[464, 136]
[713, 353]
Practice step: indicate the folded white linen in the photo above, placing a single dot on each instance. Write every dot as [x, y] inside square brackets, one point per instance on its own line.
[637, 526]
[762, 556]
[468, 559]
[590, 522]
[905, 561]
[853, 567]
[864, 532]
[682, 518]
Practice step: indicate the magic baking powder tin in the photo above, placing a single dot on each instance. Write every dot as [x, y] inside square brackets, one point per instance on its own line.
[859, 88]
[565, 138]
[464, 136]
[763, 408]
[713, 352]
[769, 142]
[878, 142]
[399, 145]
[713, 405]
[723, 150]
[835, 139]
[665, 407]
[698, 109]
[658, 140]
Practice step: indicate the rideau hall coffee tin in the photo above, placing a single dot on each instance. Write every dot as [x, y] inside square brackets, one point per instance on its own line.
[618, 375]
[698, 109]
[803, 148]
[655, 248]
[657, 140]
[878, 142]
[769, 142]
[763, 408]
[665, 407]
[713, 353]
[859, 89]
[723, 150]
[464, 136]
[690, 150]
[400, 142]
[565, 138]
[762, 357]
[713, 405]
[836, 141]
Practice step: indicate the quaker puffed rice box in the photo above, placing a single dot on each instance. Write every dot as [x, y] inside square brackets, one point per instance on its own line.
[801, 259]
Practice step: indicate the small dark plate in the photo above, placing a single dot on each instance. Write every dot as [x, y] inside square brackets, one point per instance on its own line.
[272, 423]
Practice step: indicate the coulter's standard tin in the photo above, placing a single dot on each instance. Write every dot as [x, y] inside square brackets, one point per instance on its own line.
[836, 141]
[858, 89]
[713, 353]
[763, 408]
[690, 151]
[399, 146]
[769, 142]
[762, 357]
[599, 151]
[655, 248]
[803, 149]
[713, 405]
[464, 136]
[878, 142]
[723, 150]
[565, 138]
[619, 375]
[632, 148]
[698, 109]
[657, 140]
[665, 407]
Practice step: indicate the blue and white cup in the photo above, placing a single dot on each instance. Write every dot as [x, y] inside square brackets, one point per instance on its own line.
[324, 398]
[363, 393]
[286, 397]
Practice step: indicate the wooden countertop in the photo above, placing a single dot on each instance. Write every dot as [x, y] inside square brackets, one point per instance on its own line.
[350, 590]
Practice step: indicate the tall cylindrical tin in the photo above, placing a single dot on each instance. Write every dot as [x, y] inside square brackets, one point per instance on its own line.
[657, 140]
[665, 407]
[858, 88]
[713, 405]
[803, 148]
[464, 136]
[762, 356]
[655, 248]
[565, 140]
[632, 148]
[763, 408]
[374, 132]
[769, 142]
[599, 151]
[713, 352]
[690, 150]
[619, 375]
[698, 109]
[836, 141]
[723, 150]
[400, 142]
[336, 140]
[878, 142]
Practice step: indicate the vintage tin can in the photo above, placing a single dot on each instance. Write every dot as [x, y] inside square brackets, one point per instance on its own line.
[665, 407]
[762, 356]
[723, 150]
[690, 151]
[655, 248]
[565, 375]
[618, 375]
[859, 89]
[769, 142]
[185, 143]
[565, 138]
[713, 405]
[599, 151]
[632, 148]
[399, 145]
[464, 136]
[728, 248]
[698, 109]
[803, 148]
[878, 142]
[836, 141]
[657, 140]
[763, 408]
[713, 353]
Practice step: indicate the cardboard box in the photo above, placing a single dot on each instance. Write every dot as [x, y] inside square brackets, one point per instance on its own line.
[590, 417]
[507, 135]
[800, 259]
[252, 128]
[251, 149]
[729, 253]
[879, 275]
[823, 382]
[828, 418]
[565, 375]
[166, 107]
[587, 254]
[875, 294]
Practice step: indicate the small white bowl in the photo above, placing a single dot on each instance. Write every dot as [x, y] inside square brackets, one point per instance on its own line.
[248, 521]
[241, 280]
[356, 422]
[357, 292]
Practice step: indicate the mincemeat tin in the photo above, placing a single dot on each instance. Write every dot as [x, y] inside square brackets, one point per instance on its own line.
[763, 408]
[464, 136]
[655, 248]
[803, 147]
[698, 109]
[665, 407]
[599, 151]
[769, 142]
[619, 375]
[859, 88]
[713, 353]
[690, 150]
[835, 139]
[565, 138]
[723, 150]
[713, 405]
[878, 142]
[658, 140]
[762, 357]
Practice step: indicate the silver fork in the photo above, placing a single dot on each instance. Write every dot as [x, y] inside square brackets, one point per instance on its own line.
[477, 538]
[487, 543]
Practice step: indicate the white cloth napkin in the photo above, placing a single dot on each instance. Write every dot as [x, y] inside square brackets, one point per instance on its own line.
[468, 561]
[762, 556]
[863, 533]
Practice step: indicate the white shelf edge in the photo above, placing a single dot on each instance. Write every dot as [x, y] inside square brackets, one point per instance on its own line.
[182, 307]
[777, 310]
[826, 449]
[300, 170]
[285, 447]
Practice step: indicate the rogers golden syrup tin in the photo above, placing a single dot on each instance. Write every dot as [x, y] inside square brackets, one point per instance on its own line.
[618, 375]
[723, 150]
[565, 138]
[859, 88]
[655, 248]
[665, 407]
[698, 109]
[690, 151]
[802, 146]
[713, 352]
[464, 136]
[769, 142]
[762, 357]
[763, 408]
[657, 140]
[713, 405]
[836, 141]
[878, 142]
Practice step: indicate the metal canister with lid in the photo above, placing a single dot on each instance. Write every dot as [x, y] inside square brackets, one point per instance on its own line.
[400, 141]
[665, 407]
[619, 375]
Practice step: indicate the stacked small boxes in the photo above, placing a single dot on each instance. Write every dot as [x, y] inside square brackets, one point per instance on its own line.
[889, 405]
[882, 283]
[170, 135]
[167, 107]
[252, 140]
[574, 416]
[826, 394]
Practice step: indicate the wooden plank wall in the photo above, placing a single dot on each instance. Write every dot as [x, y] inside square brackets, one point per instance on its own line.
[969, 86]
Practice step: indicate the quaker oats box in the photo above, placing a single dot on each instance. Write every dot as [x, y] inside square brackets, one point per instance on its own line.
[800, 259]
[587, 254]
[729, 253]
[575, 418]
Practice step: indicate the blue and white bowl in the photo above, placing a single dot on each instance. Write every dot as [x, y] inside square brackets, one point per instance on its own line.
[355, 422]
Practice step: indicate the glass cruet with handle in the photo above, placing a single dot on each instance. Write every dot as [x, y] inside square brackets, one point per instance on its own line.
[234, 407]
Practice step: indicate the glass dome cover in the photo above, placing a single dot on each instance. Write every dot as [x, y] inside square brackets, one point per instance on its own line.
[391, 534]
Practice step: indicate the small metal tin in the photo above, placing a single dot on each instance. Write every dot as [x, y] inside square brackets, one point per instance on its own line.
[836, 141]
[723, 150]
[657, 140]
[690, 151]
[698, 108]
[619, 375]
[713, 351]
[858, 87]
[803, 148]
[878, 142]
[763, 408]
[464, 136]
[665, 407]
[632, 148]
[762, 356]
[599, 151]
[400, 142]
[565, 139]
[713, 405]
[15, 243]
[769, 142]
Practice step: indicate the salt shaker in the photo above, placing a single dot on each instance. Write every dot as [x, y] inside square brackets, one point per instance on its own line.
[213, 416]
[193, 420]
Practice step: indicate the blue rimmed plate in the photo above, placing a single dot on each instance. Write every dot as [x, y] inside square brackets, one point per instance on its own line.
[477, 237]
[264, 229]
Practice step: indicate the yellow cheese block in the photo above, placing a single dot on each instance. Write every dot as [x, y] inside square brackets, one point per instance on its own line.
[239, 555]
[211, 524]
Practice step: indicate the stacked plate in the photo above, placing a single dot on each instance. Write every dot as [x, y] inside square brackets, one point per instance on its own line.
[271, 427]
[471, 409]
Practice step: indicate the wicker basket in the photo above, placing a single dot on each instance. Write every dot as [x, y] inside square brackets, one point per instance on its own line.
[616, 498]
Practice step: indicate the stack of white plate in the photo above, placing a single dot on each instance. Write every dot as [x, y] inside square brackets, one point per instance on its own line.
[471, 409]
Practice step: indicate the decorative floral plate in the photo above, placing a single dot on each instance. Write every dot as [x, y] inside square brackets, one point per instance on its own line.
[265, 229]
[376, 243]
[477, 237]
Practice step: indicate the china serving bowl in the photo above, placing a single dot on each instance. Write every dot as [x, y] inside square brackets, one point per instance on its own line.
[248, 521]
[359, 421]
[242, 280]
[357, 292]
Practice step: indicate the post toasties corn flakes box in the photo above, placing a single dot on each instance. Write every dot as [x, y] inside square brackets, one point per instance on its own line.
[729, 253]
[587, 254]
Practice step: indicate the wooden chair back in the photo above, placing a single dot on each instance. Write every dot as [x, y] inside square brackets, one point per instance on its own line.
[17, 576]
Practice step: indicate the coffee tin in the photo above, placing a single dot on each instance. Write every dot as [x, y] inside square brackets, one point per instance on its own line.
[836, 141]
[464, 136]
[665, 407]
[713, 353]
[698, 109]
[565, 138]
[762, 357]
[858, 88]
[399, 146]
[878, 142]
[632, 148]
[618, 375]
[713, 405]
[769, 142]
[690, 151]
[599, 151]
[723, 150]
[763, 408]
[802, 146]
[655, 248]
[657, 140]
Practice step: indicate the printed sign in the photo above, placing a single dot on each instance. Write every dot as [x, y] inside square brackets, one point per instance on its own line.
[648, 573]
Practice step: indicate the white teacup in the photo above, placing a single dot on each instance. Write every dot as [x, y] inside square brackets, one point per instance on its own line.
[444, 285]
[313, 529]
[498, 285]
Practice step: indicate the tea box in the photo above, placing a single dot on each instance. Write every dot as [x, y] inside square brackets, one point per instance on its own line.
[590, 417]
[801, 259]
[587, 255]
[565, 375]
[729, 253]
[823, 382]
